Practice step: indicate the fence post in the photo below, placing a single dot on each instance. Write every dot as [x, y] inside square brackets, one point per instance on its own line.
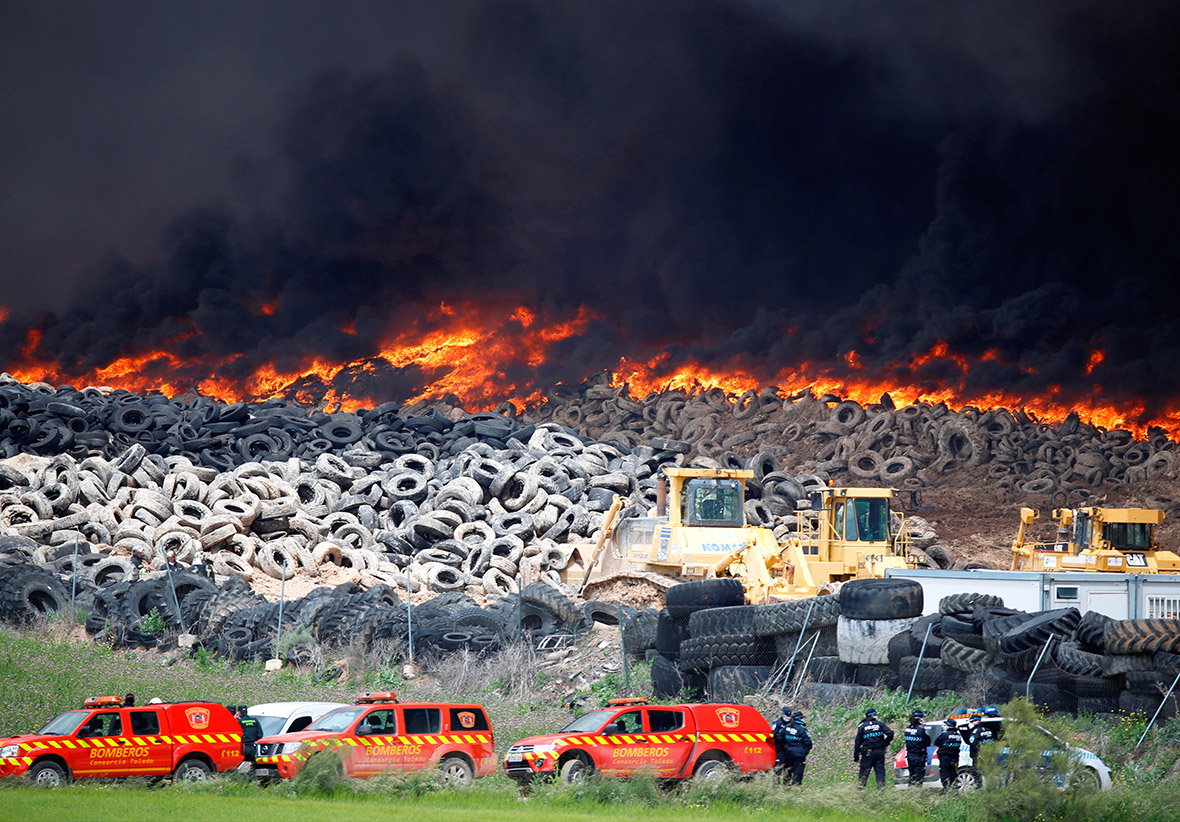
[918, 664]
[409, 616]
[282, 596]
[1028, 684]
[814, 642]
[623, 645]
[74, 581]
[1157, 710]
[171, 560]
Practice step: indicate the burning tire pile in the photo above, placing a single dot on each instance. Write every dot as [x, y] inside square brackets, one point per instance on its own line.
[872, 635]
[466, 508]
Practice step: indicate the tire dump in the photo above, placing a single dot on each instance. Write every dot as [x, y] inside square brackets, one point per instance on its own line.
[453, 531]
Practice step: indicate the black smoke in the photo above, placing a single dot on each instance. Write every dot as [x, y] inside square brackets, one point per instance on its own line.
[753, 182]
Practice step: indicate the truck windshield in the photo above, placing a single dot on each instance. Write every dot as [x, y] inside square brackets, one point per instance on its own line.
[1128, 536]
[337, 720]
[64, 723]
[868, 520]
[587, 722]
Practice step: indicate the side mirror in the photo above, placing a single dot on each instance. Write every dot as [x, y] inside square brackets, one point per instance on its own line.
[817, 501]
[364, 729]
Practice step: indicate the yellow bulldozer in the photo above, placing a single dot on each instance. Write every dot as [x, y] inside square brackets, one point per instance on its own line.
[699, 531]
[1119, 540]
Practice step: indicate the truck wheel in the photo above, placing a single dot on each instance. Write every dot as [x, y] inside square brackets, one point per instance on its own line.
[191, 770]
[48, 774]
[574, 771]
[711, 770]
[456, 772]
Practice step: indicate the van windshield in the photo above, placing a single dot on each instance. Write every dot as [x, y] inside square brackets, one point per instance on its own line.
[64, 723]
[337, 720]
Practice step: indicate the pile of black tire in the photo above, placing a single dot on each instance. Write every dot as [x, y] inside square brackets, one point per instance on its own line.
[230, 620]
[709, 643]
[871, 635]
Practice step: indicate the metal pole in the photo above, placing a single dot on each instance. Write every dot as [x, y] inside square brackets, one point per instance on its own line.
[282, 596]
[74, 582]
[623, 645]
[409, 615]
[1157, 710]
[802, 630]
[814, 642]
[918, 664]
[168, 563]
[1028, 684]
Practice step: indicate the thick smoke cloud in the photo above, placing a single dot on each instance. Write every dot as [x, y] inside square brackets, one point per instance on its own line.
[769, 183]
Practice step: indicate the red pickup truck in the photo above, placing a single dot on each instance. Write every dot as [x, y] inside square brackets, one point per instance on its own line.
[189, 740]
[667, 741]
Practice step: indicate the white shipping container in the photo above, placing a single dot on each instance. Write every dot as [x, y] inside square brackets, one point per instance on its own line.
[1119, 596]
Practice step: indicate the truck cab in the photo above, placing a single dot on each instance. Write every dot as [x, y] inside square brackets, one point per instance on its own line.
[188, 740]
[630, 737]
[379, 735]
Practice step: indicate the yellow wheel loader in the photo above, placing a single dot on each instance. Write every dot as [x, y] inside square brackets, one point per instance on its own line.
[1119, 540]
[699, 531]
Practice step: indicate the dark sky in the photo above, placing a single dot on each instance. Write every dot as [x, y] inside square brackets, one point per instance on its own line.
[786, 181]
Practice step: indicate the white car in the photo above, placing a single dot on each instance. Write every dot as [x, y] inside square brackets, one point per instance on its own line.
[1091, 770]
[280, 718]
[289, 717]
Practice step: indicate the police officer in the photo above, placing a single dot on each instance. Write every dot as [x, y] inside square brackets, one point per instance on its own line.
[872, 738]
[948, 744]
[129, 701]
[981, 734]
[796, 746]
[917, 740]
[251, 733]
[776, 732]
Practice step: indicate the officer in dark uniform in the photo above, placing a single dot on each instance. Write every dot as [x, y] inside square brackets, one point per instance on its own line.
[981, 734]
[129, 701]
[796, 746]
[872, 738]
[917, 740]
[948, 744]
[251, 733]
[780, 751]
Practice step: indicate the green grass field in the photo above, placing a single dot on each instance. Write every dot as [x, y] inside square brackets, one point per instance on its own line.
[123, 804]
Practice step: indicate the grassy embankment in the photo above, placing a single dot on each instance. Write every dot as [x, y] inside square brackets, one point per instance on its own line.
[42, 674]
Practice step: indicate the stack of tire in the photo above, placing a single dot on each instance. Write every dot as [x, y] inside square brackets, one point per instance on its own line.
[704, 642]
[28, 592]
[1145, 653]
[232, 621]
[871, 614]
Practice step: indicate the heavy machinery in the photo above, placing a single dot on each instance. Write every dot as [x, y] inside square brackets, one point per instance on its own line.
[1120, 540]
[699, 531]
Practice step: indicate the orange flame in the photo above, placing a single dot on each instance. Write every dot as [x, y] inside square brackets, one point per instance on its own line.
[463, 351]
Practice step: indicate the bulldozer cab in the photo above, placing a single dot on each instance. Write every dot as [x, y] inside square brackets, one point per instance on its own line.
[857, 519]
[711, 503]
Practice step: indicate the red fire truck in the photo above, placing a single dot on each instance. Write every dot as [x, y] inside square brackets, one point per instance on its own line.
[381, 735]
[667, 741]
[189, 740]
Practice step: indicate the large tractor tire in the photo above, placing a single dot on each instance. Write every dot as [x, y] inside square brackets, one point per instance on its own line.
[880, 599]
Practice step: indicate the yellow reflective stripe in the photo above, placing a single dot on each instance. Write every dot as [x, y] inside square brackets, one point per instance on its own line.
[351, 742]
[366, 742]
[68, 743]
